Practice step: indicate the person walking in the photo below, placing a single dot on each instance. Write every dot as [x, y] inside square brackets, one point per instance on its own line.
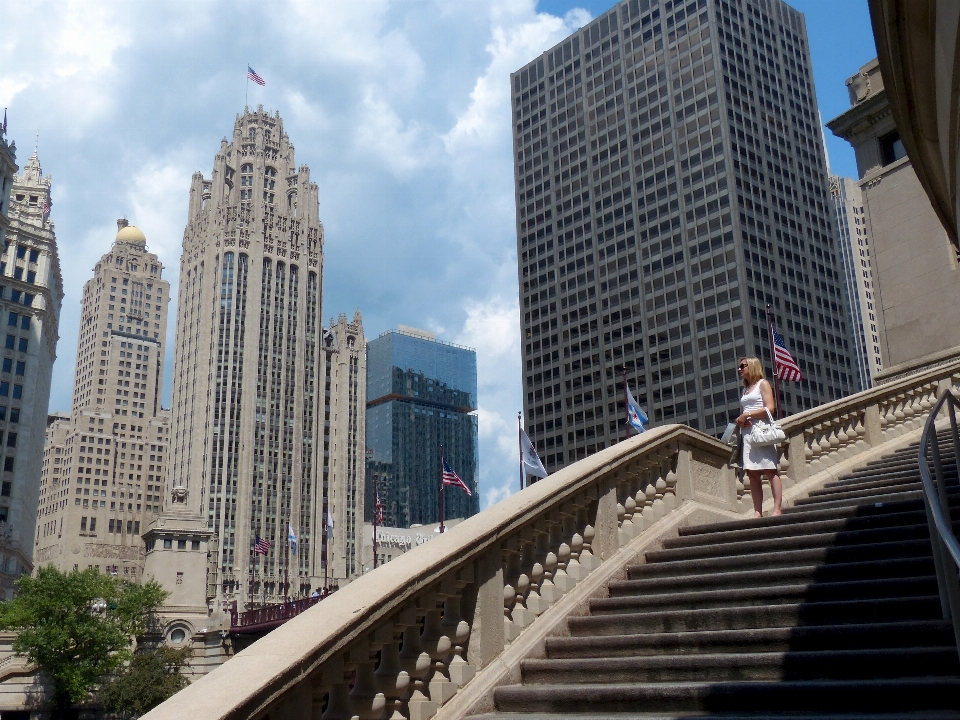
[756, 401]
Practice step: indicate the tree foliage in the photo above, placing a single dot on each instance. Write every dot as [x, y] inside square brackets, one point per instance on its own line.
[77, 626]
[150, 678]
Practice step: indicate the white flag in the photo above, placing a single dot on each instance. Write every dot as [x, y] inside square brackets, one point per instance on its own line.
[292, 537]
[531, 461]
[329, 525]
[635, 414]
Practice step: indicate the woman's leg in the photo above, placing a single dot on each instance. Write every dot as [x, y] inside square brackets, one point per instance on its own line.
[776, 487]
[756, 492]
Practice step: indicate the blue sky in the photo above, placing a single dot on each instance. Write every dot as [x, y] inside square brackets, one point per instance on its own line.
[400, 108]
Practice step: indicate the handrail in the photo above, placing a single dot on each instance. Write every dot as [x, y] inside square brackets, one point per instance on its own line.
[944, 542]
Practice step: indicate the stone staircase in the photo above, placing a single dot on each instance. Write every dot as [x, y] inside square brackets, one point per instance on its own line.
[830, 611]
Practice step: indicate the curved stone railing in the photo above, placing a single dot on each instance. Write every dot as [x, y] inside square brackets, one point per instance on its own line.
[401, 641]
[826, 435]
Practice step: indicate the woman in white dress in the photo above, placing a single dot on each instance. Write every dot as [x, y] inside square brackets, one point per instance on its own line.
[757, 398]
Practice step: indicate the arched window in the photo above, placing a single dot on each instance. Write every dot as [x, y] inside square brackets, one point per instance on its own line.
[246, 181]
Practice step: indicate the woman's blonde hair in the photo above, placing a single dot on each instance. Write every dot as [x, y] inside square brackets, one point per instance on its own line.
[754, 371]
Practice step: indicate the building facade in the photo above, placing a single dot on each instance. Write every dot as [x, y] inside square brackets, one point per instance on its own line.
[104, 465]
[670, 182]
[915, 266]
[247, 442]
[344, 446]
[31, 292]
[854, 244]
[421, 394]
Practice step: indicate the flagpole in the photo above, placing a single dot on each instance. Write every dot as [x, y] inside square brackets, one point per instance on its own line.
[376, 513]
[626, 407]
[520, 445]
[246, 89]
[441, 488]
[773, 360]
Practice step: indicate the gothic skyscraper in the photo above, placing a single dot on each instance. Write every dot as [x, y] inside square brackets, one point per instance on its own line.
[248, 394]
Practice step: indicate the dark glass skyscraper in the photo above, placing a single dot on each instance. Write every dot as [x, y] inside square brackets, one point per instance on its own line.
[670, 182]
[420, 394]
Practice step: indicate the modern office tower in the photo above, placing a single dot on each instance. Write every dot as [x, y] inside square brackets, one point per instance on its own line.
[31, 291]
[344, 446]
[105, 463]
[421, 393]
[854, 244]
[247, 403]
[670, 182]
[914, 264]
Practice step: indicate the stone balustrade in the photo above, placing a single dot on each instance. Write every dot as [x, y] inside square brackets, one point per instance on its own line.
[401, 641]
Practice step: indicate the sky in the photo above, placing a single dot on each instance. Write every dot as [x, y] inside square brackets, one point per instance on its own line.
[400, 108]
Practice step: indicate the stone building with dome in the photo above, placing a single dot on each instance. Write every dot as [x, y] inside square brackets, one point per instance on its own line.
[104, 464]
[31, 292]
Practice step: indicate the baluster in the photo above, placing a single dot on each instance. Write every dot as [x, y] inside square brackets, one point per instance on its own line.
[391, 679]
[340, 704]
[575, 571]
[458, 630]
[561, 580]
[416, 663]
[545, 537]
[534, 571]
[438, 645]
[670, 480]
[367, 701]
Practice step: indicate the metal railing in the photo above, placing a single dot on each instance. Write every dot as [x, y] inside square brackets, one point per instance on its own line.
[270, 616]
[946, 548]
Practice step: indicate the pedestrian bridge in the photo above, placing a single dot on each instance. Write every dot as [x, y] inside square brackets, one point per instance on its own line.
[435, 631]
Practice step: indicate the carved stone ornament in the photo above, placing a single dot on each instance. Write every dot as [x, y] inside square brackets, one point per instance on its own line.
[859, 88]
[179, 494]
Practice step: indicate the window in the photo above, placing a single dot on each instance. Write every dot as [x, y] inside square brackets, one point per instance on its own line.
[27, 299]
[4, 389]
[21, 367]
[22, 345]
[11, 439]
[112, 526]
[83, 524]
[8, 464]
[93, 524]
[5, 489]
[21, 251]
[12, 319]
[24, 322]
[14, 414]
[31, 276]
[7, 365]
[181, 544]
[17, 392]
[11, 342]
[167, 544]
[34, 255]
[891, 148]
[18, 273]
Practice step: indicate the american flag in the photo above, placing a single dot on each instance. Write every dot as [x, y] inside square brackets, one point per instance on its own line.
[262, 546]
[46, 207]
[379, 511]
[252, 75]
[784, 364]
[451, 478]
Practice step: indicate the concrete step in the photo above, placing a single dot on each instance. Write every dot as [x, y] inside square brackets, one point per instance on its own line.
[927, 715]
[732, 667]
[786, 529]
[913, 695]
[836, 540]
[855, 499]
[638, 582]
[861, 497]
[914, 633]
[758, 616]
[785, 558]
[756, 594]
[867, 484]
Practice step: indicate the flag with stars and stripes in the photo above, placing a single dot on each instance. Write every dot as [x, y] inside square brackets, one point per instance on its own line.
[784, 364]
[262, 546]
[451, 478]
[252, 75]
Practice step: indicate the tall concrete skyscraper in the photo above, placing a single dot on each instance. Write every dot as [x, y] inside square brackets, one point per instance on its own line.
[31, 291]
[670, 182]
[248, 395]
[854, 243]
[421, 393]
[104, 464]
[344, 442]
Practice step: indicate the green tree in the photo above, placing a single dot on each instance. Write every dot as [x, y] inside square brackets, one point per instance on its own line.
[150, 678]
[77, 626]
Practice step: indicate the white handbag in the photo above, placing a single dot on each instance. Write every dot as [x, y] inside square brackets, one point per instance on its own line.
[763, 434]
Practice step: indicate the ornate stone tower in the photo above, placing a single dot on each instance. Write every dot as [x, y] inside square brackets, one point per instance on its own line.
[248, 396]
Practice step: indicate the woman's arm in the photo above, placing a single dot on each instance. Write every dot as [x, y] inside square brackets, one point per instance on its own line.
[769, 402]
